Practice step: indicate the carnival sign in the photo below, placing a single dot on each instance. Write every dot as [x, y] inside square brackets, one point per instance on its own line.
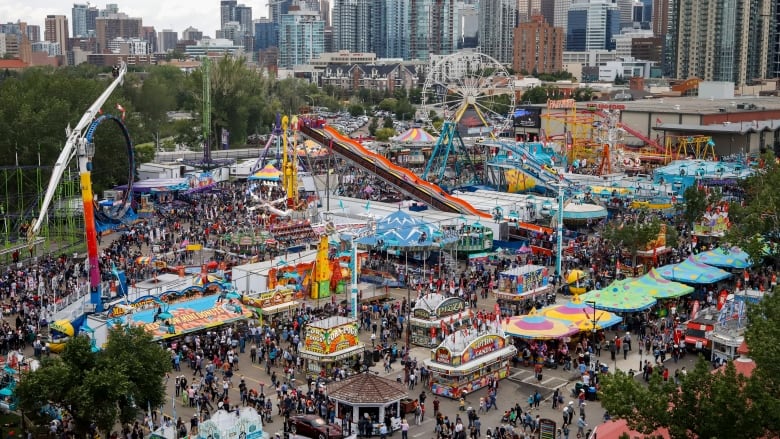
[482, 346]
[421, 313]
[451, 306]
[269, 298]
[443, 355]
[327, 341]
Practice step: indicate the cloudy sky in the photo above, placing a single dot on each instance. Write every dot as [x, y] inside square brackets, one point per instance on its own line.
[162, 14]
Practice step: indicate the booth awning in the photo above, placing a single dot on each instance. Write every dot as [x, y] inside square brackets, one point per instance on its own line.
[270, 310]
[336, 356]
[509, 351]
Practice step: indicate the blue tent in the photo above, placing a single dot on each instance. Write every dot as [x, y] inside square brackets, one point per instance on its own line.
[692, 272]
[401, 230]
[733, 257]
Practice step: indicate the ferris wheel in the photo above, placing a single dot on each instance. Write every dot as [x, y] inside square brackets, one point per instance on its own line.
[468, 87]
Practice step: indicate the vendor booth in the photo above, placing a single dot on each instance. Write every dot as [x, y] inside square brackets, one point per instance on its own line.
[270, 303]
[245, 423]
[524, 282]
[431, 313]
[469, 359]
[364, 401]
[331, 342]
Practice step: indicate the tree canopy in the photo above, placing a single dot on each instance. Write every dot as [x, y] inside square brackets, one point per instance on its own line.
[635, 235]
[100, 387]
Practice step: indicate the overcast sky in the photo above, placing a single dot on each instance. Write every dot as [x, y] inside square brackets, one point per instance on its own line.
[162, 14]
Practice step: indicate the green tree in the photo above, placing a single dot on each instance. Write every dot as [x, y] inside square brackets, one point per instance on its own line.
[696, 202]
[388, 104]
[103, 387]
[384, 134]
[356, 110]
[635, 235]
[388, 122]
[583, 94]
[372, 127]
[404, 110]
[687, 411]
[144, 153]
[761, 337]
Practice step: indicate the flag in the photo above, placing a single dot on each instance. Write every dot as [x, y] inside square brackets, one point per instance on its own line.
[658, 121]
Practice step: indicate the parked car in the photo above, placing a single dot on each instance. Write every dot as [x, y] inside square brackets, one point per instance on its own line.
[314, 427]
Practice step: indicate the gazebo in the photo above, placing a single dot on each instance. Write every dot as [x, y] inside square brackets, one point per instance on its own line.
[367, 396]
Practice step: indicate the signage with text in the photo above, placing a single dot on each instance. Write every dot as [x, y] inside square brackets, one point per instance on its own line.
[443, 355]
[482, 346]
[451, 306]
[270, 298]
[327, 341]
[561, 104]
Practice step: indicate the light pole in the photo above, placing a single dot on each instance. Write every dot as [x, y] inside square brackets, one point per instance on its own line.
[559, 253]
[353, 237]
[592, 304]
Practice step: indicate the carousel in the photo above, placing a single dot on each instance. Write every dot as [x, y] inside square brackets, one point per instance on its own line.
[364, 401]
[470, 359]
[431, 314]
[329, 343]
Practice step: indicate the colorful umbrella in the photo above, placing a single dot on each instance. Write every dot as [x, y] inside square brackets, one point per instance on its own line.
[619, 297]
[268, 173]
[652, 284]
[692, 272]
[537, 327]
[144, 260]
[580, 314]
[727, 258]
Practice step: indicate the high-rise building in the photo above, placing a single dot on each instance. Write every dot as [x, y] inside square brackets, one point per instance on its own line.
[527, 9]
[278, 8]
[166, 40]
[301, 37]
[466, 25]
[227, 12]
[33, 33]
[266, 34]
[432, 28]
[391, 29]
[325, 12]
[149, 35]
[191, 34]
[661, 17]
[547, 9]
[243, 15]
[352, 25]
[626, 12]
[56, 30]
[92, 14]
[722, 40]
[561, 13]
[114, 26]
[497, 21]
[538, 47]
[592, 25]
[78, 18]
[111, 9]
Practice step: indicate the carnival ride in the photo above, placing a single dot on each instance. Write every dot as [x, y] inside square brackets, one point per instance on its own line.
[472, 94]
[79, 143]
[401, 178]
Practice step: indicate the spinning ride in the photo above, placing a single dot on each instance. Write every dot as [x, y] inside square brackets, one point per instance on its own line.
[472, 94]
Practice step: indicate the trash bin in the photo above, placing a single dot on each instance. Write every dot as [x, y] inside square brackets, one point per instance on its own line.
[377, 356]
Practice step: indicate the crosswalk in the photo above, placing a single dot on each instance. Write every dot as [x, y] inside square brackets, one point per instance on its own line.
[524, 376]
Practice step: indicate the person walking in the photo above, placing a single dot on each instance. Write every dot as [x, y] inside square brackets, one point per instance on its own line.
[581, 424]
[404, 429]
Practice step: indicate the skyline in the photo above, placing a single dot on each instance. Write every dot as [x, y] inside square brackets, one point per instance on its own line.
[169, 14]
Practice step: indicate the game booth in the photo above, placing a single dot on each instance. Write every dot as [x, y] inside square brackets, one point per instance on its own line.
[467, 359]
[364, 400]
[519, 284]
[271, 303]
[430, 316]
[331, 342]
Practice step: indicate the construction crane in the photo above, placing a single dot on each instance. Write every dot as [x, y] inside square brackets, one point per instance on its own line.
[78, 144]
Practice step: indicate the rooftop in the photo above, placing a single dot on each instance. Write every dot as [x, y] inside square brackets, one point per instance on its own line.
[695, 105]
[367, 388]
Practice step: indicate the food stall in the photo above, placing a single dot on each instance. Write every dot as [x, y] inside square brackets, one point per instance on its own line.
[432, 314]
[523, 282]
[364, 400]
[330, 342]
[270, 303]
[468, 359]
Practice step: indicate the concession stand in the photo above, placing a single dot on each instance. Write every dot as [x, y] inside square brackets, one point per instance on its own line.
[329, 343]
[432, 315]
[270, 303]
[468, 359]
[523, 282]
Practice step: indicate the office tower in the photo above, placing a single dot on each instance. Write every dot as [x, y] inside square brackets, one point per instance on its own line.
[392, 30]
[310, 5]
[466, 25]
[498, 19]
[722, 40]
[114, 26]
[149, 34]
[278, 8]
[661, 17]
[301, 37]
[352, 25]
[227, 12]
[647, 13]
[538, 47]
[92, 14]
[111, 9]
[56, 30]
[266, 34]
[432, 28]
[547, 9]
[626, 8]
[325, 11]
[166, 40]
[33, 33]
[527, 8]
[79, 20]
[592, 25]
[561, 9]
[191, 34]
[243, 15]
